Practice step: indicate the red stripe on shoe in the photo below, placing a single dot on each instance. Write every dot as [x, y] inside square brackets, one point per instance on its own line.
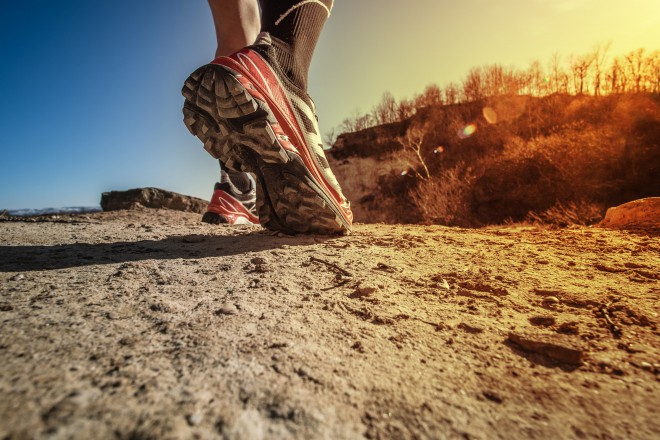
[224, 204]
[263, 84]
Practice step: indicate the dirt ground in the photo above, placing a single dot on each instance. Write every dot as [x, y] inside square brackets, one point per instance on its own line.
[151, 325]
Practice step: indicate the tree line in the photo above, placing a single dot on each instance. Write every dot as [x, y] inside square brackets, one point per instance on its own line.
[594, 73]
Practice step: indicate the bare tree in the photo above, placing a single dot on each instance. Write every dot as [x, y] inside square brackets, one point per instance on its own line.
[654, 72]
[355, 122]
[405, 109]
[536, 79]
[599, 55]
[413, 140]
[580, 66]
[473, 87]
[385, 111]
[493, 76]
[635, 66]
[555, 73]
[451, 93]
[616, 77]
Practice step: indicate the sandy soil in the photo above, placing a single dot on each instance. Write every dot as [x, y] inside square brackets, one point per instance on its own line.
[150, 325]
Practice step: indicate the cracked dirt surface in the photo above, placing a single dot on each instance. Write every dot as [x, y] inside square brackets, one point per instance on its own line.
[148, 324]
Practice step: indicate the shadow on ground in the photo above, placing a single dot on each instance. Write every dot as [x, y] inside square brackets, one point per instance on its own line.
[34, 258]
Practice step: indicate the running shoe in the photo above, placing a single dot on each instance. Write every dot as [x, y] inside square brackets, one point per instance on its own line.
[249, 115]
[230, 206]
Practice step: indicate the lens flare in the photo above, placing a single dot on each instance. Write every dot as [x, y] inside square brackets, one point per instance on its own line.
[467, 131]
[490, 115]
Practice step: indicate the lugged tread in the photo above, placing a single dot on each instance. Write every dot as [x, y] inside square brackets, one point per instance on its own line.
[213, 218]
[236, 128]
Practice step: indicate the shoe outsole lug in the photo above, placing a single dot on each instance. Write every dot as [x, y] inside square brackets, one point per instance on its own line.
[236, 128]
[214, 219]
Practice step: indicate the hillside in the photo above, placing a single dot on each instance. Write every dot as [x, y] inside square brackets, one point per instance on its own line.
[559, 159]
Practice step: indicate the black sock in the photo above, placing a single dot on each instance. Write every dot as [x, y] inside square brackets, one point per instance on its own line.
[295, 26]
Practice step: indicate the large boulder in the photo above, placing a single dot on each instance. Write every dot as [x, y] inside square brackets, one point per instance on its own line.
[151, 198]
[639, 214]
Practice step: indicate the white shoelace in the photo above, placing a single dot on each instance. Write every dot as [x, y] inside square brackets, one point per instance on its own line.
[304, 2]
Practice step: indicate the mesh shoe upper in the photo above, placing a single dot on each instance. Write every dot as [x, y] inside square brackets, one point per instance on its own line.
[236, 207]
[304, 111]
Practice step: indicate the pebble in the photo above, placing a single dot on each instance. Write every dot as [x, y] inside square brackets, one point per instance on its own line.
[550, 300]
[257, 261]
[194, 239]
[561, 349]
[646, 366]
[195, 419]
[634, 348]
[362, 292]
[227, 309]
[492, 396]
[470, 328]
[17, 277]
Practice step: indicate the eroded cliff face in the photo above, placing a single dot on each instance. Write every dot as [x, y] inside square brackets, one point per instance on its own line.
[504, 159]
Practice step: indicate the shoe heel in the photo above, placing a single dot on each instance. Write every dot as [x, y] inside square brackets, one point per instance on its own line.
[214, 93]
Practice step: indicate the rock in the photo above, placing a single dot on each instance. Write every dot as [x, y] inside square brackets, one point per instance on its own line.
[550, 301]
[470, 328]
[151, 198]
[569, 328]
[17, 277]
[634, 348]
[542, 321]
[492, 396]
[195, 419]
[194, 239]
[362, 292]
[554, 347]
[227, 309]
[638, 214]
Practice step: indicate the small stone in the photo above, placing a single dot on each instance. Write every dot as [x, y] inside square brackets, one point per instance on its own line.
[555, 347]
[358, 346]
[550, 300]
[646, 366]
[362, 292]
[227, 309]
[257, 261]
[17, 277]
[492, 396]
[195, 419]
[194, 239]
[634, 348]
[542, 321]
[470, 328]
[569, 328]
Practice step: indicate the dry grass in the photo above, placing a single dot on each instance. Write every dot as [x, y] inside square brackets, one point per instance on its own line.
[553, 164]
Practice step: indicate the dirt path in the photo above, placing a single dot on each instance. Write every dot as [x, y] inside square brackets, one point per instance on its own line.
[145, 325]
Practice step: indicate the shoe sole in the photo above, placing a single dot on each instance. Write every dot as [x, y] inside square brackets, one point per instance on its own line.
[214, 219]
[236, 128]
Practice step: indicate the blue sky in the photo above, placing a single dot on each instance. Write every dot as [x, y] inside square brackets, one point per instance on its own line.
[91, 90]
